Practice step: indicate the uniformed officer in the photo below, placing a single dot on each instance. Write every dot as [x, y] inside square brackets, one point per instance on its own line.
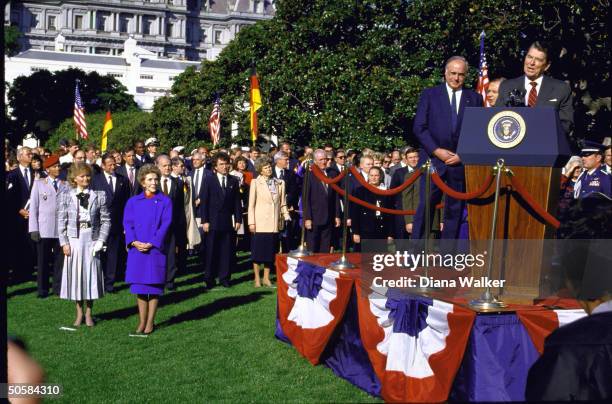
[594, 178]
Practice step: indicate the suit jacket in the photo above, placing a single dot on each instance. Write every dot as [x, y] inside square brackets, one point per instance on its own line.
[147, 221]
[134, 189]
[432, 122]
[265, 208]
[220, 206]
[17, 190]
[292, 188]
[553, 93]
[177, 197]
[115, 201]
[322, 205]
[365, 222]
[67, 210]
[43, 207]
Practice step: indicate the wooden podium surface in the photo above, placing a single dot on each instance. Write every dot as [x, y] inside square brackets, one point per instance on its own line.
[521, 263]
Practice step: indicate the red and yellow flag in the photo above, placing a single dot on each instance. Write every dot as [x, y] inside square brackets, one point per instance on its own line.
[255, 105]
[108, 125]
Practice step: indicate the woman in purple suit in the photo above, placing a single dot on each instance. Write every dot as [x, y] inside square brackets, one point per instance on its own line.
[146, 221]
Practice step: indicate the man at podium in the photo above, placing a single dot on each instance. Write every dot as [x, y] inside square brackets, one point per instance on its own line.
[538, 90]
[437, 124]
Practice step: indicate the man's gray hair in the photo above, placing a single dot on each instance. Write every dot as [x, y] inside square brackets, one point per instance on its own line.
[319, 152]
[22, 150]
[455, 58]
[161, 157]
[279, 155]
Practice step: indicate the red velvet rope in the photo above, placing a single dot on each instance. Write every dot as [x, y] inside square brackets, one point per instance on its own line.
[379, 191]
[550, 219]
[463, 196]
[329, 181]
[370, 206]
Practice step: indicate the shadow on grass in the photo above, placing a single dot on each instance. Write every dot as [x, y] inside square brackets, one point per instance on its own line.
[210, 309]
[19, 292]
[170, 298]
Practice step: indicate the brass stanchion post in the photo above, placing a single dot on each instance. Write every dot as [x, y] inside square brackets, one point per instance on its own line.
[302, 250]
[343, 262]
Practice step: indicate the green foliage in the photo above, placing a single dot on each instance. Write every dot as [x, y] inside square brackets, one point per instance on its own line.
[127, 127]
[350, 73]
[11, 40]
[41, 101]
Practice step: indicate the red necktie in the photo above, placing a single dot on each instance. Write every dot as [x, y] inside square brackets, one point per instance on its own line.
[533, 95]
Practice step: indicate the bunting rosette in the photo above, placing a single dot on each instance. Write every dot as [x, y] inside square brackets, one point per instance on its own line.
[415, 343]
[311, 303]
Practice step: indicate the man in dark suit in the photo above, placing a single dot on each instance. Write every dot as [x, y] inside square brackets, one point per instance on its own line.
[403, 224]
[139, 150]
[221, 218]
[198, 176]
[117, 191]
[540, 90]
[321, 209]
[18, 187]
[293, 162]
[171, 187]
[290, 234]
[437, 124]
[129, 170]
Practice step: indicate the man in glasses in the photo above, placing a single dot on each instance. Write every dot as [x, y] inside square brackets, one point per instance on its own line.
[339, 160]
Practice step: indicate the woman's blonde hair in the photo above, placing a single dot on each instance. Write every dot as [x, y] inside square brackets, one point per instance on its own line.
[77, 169]
[145, 170]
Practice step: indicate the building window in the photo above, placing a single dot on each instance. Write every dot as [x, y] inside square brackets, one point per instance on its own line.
[36, 69]
[169, 29]
[146, 77]
[147, 25]
[218, 37]
[51, 23]
[102, 51]
[79, 49]
[78, 22]
[171, 78]
[123, 23]
[118, 75]
[35, 21]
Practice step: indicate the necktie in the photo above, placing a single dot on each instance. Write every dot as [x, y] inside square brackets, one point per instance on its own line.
[165, 187]
[26, 176]
[454, 110]
[533, 95]
[110, 182]
[282, 174]
[55, 185]
[197, 182]
[223, 182]
[131, 176]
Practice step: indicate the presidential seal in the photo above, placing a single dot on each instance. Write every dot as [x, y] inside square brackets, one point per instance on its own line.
[506, 129]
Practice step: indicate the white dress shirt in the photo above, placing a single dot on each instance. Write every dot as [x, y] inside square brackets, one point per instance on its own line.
[528, 87]
[449, 91]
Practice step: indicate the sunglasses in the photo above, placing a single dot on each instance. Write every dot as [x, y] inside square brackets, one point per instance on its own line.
[386, 161]
[340, 157]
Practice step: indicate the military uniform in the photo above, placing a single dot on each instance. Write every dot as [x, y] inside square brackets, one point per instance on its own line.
[591, 182]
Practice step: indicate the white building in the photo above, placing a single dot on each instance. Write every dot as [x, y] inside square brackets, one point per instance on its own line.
[182, 29]
[146, 76]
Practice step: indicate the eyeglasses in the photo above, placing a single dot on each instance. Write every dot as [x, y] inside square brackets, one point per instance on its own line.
[340, 157]
[386, 161]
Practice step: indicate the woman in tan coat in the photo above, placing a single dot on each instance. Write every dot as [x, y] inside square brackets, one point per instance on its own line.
[267, 213]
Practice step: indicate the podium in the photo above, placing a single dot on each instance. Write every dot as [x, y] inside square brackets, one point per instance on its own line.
[533, 145]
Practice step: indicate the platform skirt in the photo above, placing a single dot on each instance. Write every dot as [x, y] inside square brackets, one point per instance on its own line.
[82, 277]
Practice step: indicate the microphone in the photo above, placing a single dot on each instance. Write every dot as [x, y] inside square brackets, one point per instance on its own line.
[516, 98]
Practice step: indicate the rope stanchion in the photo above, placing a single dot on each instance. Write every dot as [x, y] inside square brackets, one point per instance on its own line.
[391, 191]
[548, 218]
[463, 196]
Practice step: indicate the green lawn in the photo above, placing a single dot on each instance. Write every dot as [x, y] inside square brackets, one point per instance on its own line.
[214, 346]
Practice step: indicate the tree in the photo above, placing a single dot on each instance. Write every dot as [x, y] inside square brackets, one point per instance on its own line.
[41, 101]
[350, 73]
[127, 127]
[11, 40]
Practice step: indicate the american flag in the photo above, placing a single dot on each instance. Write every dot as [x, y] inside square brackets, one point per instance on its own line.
[79, 114]
[483, 74]
[214, 122]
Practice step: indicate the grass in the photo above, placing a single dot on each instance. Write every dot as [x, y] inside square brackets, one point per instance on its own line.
[214, 346]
